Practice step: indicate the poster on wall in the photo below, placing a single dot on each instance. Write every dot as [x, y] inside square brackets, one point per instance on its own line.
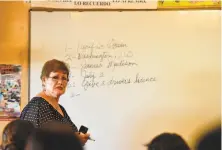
[10, 91]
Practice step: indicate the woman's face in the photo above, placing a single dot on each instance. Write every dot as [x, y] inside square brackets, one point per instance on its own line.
[56, 83]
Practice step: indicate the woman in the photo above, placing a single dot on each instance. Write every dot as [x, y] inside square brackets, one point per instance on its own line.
[44, 107]
[168, 141]
[15, 134]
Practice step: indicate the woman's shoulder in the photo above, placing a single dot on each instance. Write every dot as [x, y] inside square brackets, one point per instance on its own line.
[35, 106]
[36, 102]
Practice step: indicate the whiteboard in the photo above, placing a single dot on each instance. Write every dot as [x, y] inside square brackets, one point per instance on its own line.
[134, 74]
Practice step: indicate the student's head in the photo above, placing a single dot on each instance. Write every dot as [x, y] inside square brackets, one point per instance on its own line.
[57, 126]
[10, 147]
[55, 76]
[15, 134]
[210, 140]
[168, 141]
[42, 139]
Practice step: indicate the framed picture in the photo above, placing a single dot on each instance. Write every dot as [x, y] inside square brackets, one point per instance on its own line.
[10, 91]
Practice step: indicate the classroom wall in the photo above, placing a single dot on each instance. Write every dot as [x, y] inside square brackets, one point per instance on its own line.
[14, 42]
[14, 49]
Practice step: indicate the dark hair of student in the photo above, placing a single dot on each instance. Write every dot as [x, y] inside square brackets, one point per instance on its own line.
[210, 140]
[168, 141]
[42, 139]
[15, 134]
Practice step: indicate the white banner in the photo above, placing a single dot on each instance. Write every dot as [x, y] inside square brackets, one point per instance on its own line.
[94, 4]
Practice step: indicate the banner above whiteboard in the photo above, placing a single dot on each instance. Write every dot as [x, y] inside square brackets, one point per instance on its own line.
[94, 4]
[179, 4]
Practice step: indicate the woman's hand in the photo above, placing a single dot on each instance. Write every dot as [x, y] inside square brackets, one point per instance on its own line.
[83, 137]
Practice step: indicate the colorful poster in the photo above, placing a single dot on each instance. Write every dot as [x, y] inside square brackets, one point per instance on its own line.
[189, 4]
[10, 90]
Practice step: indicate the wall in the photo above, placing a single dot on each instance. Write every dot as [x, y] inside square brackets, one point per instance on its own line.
[14, 41]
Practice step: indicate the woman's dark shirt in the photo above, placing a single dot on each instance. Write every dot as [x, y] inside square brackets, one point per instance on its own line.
[40, 112]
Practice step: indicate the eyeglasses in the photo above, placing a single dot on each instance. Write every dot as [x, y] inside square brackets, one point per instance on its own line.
[56, 79]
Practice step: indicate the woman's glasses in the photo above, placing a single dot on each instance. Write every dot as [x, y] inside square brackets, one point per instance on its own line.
[56, 79]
